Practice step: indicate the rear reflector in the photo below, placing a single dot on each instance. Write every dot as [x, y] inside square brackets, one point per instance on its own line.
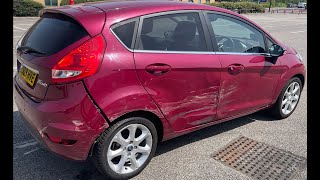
[60, 140]
[82, 62]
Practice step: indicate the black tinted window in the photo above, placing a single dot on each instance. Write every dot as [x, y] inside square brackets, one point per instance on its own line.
[53, 33]
[233, 35]
[173, 32]
[125, 33]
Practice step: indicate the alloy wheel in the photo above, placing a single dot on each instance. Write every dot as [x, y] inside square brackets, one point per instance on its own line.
[290, 98]
[129, 148]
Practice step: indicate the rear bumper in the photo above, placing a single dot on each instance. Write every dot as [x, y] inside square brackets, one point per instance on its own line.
[73, 118]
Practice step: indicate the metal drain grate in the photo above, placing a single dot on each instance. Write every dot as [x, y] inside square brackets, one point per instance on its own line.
[259, 160]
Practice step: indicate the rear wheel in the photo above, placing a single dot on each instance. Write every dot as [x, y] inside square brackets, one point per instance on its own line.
[125, 148]
[288, 99]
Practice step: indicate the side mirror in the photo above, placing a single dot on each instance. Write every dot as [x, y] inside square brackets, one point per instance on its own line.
[275, 50]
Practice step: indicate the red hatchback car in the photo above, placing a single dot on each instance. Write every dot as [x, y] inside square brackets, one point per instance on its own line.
[112, 79]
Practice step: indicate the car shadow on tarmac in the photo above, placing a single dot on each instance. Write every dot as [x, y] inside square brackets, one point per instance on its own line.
[207, 132]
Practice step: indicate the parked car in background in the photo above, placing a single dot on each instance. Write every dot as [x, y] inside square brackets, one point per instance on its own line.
[302, 5]
[109, 80]
[292, 5]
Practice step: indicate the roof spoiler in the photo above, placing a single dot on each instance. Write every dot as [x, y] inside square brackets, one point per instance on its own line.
[90, 17]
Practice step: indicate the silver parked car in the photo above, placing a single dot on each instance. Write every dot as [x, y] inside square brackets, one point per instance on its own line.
[302, 5]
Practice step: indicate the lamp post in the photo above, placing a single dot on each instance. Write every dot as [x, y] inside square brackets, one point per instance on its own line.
[270, 5]
[71, 2]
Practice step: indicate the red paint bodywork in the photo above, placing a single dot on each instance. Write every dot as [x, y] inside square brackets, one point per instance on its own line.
[197, 92]
[250, 89]
[72, 117]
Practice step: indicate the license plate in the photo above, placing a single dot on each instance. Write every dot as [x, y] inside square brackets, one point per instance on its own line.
[28, 75]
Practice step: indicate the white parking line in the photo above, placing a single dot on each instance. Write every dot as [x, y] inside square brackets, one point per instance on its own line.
[19, 28]
[282, 25]
[298, 31]
[300, 24]
[25, 20]
[24, 24]
[25, 144]
[33, 150]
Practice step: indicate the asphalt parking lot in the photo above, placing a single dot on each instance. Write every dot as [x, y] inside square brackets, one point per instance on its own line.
[188, 156]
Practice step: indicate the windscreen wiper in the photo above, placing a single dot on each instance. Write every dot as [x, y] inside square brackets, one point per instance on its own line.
[27, 49]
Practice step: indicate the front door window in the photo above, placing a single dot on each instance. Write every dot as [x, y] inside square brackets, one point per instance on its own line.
[233, 35]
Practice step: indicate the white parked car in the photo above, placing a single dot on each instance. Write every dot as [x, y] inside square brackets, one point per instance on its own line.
[302, 5]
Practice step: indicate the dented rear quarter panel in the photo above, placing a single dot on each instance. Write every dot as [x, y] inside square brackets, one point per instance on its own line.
[116, 89]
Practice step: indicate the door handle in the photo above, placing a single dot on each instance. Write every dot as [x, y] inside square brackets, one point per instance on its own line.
[235, 68]
[158, 69]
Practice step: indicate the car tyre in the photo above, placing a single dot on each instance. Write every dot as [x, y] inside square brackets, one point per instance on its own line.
[102, 152]
[287, 94]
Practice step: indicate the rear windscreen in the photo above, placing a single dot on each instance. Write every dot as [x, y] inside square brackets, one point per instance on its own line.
[52, 33]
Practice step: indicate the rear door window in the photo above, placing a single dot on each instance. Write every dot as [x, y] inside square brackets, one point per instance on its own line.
[52, 33]
[173, 32]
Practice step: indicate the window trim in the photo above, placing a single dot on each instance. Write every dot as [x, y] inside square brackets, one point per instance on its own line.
[198, 52]
[136, 19]
[210, 40]
[213, 37]
[203, 24]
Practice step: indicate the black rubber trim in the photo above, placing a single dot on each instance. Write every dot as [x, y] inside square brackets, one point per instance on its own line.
[96, 105]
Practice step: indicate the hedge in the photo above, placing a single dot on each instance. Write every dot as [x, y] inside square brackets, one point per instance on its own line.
[26, 8]
[266, 5]
[240, 6]
[67, 2]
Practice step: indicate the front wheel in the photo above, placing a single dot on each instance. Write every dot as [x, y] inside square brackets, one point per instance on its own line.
[125, 148]
[288, 99]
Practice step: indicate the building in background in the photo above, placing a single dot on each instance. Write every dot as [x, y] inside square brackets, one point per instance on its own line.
[57, 2]
[200, 1]
[49, 2]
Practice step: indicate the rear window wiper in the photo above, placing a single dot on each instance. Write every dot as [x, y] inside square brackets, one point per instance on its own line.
[27, 49]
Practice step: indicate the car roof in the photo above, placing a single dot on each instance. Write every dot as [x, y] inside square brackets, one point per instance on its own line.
[126, 9]
[147, 4]
[121, 10]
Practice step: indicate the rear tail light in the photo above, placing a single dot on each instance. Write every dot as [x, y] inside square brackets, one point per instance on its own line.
[82, 62]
